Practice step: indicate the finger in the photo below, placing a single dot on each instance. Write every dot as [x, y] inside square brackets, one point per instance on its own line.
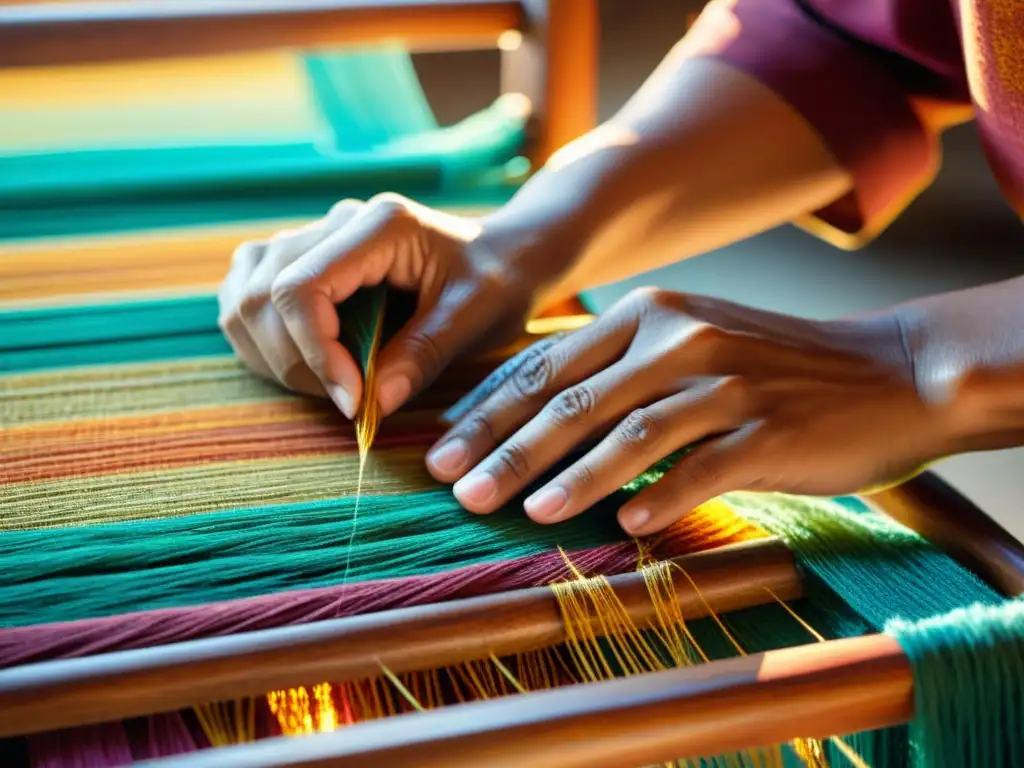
[544, 373]
[573, 416]
[436, 334]
[721, 465]
[495, 379]
[305, 295]
[261, 318]
[244, 263]
[639, 441]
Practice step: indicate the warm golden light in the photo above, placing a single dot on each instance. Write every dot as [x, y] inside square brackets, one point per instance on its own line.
[510, 40]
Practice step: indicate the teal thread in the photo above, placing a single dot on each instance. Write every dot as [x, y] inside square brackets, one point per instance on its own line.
[968, 670]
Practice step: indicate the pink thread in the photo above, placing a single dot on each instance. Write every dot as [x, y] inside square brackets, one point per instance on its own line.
[24, 645]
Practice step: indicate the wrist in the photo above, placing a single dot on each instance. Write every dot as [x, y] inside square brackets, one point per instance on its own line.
[535, 255]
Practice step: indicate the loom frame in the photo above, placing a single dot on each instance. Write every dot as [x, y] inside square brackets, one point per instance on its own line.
[811, 691]
[550, 59]
[709, 709]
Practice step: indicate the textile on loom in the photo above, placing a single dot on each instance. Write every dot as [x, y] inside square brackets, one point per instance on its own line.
[153, 491]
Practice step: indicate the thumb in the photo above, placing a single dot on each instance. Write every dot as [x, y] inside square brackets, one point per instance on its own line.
[307, 292]
[430, 341]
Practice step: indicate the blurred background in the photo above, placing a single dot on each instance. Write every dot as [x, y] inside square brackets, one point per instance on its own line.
[958, 234]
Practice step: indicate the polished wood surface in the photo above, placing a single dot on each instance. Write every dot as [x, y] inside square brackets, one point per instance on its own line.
[843, 686]
[52, 34]
[569, 32]
[116, 686]
[948, 520]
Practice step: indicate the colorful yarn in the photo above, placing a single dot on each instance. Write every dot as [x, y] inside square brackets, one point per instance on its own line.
[968, 695]
[153, 491]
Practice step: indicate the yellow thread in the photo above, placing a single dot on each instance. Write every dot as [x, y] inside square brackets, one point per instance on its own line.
[402, 690]
[848, 752]
[366, 424]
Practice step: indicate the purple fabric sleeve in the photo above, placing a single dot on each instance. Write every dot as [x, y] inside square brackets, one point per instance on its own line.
[861, 110]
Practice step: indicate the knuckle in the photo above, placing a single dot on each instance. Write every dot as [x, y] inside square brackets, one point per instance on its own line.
[284, 245]
[641, 299]
[228, 321]
[737, 396]
[573, 405]
[640, 428]
[708, 335]
[734, 389]
[390, 206]
[701, 471]
[284, 292]
[422, 348]
[703, 342]
[478, 424]
[343, 209]
[534, 376]
[251, 305]
[583, 475]
[647, 299]
[513, 460]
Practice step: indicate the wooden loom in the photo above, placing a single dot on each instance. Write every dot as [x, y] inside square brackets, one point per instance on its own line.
[834, 687]
[813, 691]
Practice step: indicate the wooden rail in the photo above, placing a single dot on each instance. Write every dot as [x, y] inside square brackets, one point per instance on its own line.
[52, 34]
[843, 686]
[932, 508]
[116, 686]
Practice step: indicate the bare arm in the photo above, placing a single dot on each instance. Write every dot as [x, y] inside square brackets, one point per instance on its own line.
[702, 156]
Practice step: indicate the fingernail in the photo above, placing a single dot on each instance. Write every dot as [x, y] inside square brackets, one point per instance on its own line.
[450, 457]
[634, 520]
[476, 489]
[341, 398]
[546, 504]
[393, 393]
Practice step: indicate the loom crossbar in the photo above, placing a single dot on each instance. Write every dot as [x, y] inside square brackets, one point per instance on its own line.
[842, 686]
[116, 686]
[89, 32]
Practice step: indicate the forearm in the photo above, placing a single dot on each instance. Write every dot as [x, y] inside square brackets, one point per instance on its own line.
[967, 350]
[702, 156]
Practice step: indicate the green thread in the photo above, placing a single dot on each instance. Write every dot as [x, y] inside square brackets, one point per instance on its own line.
[61, 574]
[968, 670]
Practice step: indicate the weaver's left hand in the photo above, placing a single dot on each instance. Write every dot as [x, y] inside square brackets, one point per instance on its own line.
[776, 403]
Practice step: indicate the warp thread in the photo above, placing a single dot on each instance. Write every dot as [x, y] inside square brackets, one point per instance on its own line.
[968, 670]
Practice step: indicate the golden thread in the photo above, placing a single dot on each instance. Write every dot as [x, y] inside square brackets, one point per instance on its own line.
[401, 688]
[228, 723]
[366, 425]
[602, 642]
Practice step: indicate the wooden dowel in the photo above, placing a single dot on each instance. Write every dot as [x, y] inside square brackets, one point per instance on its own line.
[96, 32]
[116, 686]
[838, 687]
[929, 506]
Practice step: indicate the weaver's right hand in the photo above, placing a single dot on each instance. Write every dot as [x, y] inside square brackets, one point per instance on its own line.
[277, 304]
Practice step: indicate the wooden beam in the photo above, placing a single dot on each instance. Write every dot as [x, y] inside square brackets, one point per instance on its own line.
[842, 686]
[555, 65]
[932, 508]
[116, 686]
[53, 34]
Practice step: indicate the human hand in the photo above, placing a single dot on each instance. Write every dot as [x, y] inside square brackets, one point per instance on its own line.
[277, 304]
[773, 403]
